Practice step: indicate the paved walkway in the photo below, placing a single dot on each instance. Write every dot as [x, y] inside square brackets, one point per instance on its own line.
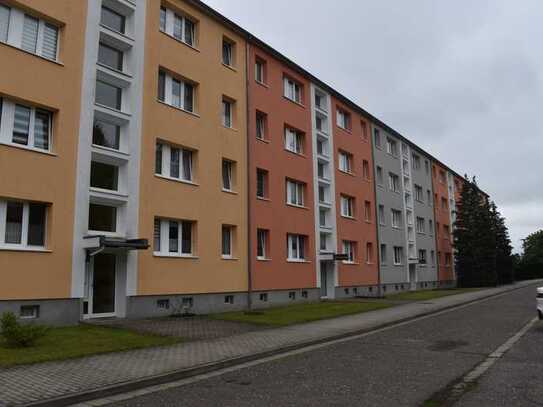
[27, 384]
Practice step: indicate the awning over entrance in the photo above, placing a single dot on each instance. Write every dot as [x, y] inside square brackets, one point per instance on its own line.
[96, 244]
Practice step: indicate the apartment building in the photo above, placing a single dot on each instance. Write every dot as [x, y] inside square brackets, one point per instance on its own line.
[160, 159]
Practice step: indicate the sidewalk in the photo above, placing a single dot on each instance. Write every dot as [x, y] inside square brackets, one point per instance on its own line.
[61, 382]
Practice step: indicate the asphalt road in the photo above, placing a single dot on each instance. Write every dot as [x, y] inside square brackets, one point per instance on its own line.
[402, 366]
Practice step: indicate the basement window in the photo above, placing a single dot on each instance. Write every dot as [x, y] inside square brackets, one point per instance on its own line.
[304, 294]
[292, 295]
[163, 304]
[228, 299]
[264, 297]
[29, 311]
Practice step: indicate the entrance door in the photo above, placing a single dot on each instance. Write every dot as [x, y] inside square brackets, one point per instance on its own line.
[324, 281]
[413, 276]
[103, 285]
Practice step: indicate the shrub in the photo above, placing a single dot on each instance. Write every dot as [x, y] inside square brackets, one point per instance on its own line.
[18, 335]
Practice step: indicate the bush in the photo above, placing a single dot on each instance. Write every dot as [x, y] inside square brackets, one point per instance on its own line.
[17, 335]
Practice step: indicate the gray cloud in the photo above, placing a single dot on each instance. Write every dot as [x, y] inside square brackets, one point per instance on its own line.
[462, 79]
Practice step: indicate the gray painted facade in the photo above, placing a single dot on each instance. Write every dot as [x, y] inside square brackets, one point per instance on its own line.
[50, 312]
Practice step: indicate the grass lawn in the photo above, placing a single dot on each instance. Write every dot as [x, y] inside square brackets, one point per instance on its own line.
[77, 341]
[295, 314]
[423, 295]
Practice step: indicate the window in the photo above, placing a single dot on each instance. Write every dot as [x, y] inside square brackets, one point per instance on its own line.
[349, 250]
[366, 169]
[321, 123]
[392, 147]
[416, 162]
[113, 20]
[260, 70]
[261, 124]
[398, 255]
[264, 297]
[396, 218]
[377, 138]
[31, 34]
[294, 140]
[292, 90]
[180, 27]
[322, 170]
[23, 224]
[102, 218]
[380, 180]
[296, 247]
[108, 95]
[25, 125]
[104, 176]
[295, 192]
[383, 254]
[443, 203]
[163, 19]
[292, 295]
[345, 162]
[227, 175]
[448, 259]
[427, 167]
[323, 216]
[367, 211]
[227, 52]
[430, 227]
[176, 235]
[364, 129]
[227, 112]
[369, 252]
[446, 232]
[320, 101]
[442, 177]
[106, 134]
[419, 195]
[422, 256]
[393, 182]
[429, 197]
[175, 92]
[29, 311]
[229, 299]
[322, 147]
[347, 206]
[227, 241]
[262, 237]
[174, 162]
[261, 183]
[110, 57]
[323, 195]
[421, 225]
[382, 220]
[343, 119]
[323, 241]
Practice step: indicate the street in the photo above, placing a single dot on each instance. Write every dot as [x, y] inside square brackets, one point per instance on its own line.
[402, 366]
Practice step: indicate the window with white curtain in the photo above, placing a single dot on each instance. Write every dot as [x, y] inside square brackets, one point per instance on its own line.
[393, 182]
[173, 237]
[25, 126]
[227, 241]
[293, 140]
[178, 26]
[396, 218]
[292, 90]
[262, 236]
[343, 119]
[345, 162]
[349, 250]
[174, 162]
[296, 247]
[22, 224]
[295, 192]
[421, 225]
[347, 206]
[227, 175]
[30, 33]
[398, 255]
[175, 92]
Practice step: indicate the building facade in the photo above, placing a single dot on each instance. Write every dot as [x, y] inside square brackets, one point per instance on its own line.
[187, 167]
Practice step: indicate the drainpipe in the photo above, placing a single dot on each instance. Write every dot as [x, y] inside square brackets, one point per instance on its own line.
[370, 127]
[249, 188]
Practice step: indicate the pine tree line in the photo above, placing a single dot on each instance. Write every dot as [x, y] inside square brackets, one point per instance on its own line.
[483, 251]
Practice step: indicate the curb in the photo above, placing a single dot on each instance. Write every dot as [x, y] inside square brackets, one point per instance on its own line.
[123, 387]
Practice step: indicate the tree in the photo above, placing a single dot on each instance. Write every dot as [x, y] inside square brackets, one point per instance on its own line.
[531, 262]
[504, 259]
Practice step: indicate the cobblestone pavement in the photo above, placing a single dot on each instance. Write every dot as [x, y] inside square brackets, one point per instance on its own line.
[25, 384]
[192, 328]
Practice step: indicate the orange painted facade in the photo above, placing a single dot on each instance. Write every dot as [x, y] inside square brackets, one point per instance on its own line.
[271, 213]
[442, 220]
[356, 142]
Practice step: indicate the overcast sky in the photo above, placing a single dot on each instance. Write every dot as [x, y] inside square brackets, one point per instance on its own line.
[462, 79]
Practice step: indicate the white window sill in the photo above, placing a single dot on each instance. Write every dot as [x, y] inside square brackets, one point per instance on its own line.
[32, 53]
[112, 109]
[297, 261]
[294, 101]
[231, 67]
[348, 217]
[23, 147]
[103, 233]
[296, 206]
[175, 255]
[350, 263]
[229, 191]
[17, 248]
[346, 172]
[229, 258]
[230, 128]
[262, 198]
[180, 41]
[178, 108]
[263, 259]
[182, 181]
[262, 83]
[298, 153]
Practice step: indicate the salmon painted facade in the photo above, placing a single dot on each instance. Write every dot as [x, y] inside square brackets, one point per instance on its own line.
[158, 159]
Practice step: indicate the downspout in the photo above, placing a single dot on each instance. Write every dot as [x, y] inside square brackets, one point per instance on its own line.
[376, 213]
[249, 187]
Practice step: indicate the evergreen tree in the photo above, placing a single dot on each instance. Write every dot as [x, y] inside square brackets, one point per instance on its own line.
[504, 259]
[531, 262]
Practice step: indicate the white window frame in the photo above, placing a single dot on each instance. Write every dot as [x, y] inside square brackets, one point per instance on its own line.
[393, 182]
[398, 253]
[292, 90]
[421, 225]
[7, 123]
[166, 163]
[230, 233]
[347, 206]
[165, 238]
[170, 23]
[349, 250]
[262, 236]
[228, 58]
[293, 141]
[380, 178]
[345, 162]
[230, 172]
[168, 92]
[260, 71]
[15, 32]
[227, 109]
[295, 193]
[294, 253]
[24, 227]
[430, 227]
[342, 119]
[392, 147]
[423, 260]
[367, 211]
[260, 129]
[419, 193]
[383, 254]
[369, 253]
[382, 217]
[396, 218]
